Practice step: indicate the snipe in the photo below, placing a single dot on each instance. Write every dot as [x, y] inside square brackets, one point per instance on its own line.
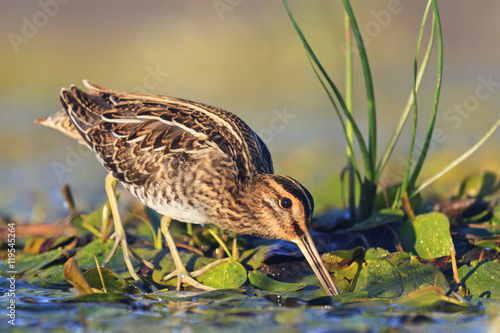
[191, 162]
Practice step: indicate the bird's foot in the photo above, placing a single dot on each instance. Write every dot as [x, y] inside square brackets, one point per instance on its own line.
[183, 276]
[121, 240]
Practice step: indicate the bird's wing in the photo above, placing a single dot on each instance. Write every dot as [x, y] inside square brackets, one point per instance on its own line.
[135, 135]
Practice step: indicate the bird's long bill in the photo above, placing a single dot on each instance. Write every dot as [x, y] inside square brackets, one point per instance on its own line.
[309, 250]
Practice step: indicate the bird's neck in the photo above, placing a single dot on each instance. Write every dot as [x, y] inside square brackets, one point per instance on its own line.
[239, 209]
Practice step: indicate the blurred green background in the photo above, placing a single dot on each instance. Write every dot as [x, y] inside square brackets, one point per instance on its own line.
[243, 56]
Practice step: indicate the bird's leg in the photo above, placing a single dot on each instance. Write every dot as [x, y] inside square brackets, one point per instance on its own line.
[180, 270]
[120, 237]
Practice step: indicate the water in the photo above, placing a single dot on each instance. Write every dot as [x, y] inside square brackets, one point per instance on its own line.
[230, 311]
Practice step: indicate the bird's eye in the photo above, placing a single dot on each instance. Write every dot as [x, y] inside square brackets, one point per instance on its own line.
[286, 203]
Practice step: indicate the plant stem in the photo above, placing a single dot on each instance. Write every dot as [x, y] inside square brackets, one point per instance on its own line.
[349, 105]
[320, 69]
[409, 103]
[221, 243]
[370, 94]
[437, 92]
[407, 206]
[406, 178]
[366, 200]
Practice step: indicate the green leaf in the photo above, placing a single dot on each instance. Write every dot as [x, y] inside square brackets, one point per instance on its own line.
[376, 253]
[488, 245]
[416, 272]
[428, 236]
[432, 299]
[345, 264]
[264, 282]
[113, 283]
[478, 185]
[340, 258]
[254, 257]
[482, 278]
[228, 275]
[379, 278]
[91, 222]
[191, 261]
[52, 275]
[391, 275]
[101, 250]
[31, 263]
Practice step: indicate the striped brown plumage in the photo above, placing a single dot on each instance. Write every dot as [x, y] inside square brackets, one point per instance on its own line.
[186, 160]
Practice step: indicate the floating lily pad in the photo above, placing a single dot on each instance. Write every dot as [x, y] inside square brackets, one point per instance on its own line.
[379, 278]
[482, 278]
[416, 272]
[101, 250]
[431, 298]
[345, 264]
[112, 282]
[427, 236]
[228, 275]
[264, 282]
[52, 275]
[253, 258]
[376, 253]
[31, 263]
[342, 258]
[163, 259]
[391, 275]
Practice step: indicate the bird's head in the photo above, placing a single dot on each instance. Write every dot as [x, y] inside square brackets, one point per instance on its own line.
[282, 209]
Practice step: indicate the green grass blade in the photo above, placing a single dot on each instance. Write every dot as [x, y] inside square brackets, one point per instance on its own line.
[455, 162]
[150, 227]
[404, 185]
[314, 60]
[409, 103]
[349, 104]
[348, 78]
[349, 143]
[437, 93]
[370, 94]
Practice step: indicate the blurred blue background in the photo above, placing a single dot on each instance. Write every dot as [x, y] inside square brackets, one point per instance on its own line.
[243, 56]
